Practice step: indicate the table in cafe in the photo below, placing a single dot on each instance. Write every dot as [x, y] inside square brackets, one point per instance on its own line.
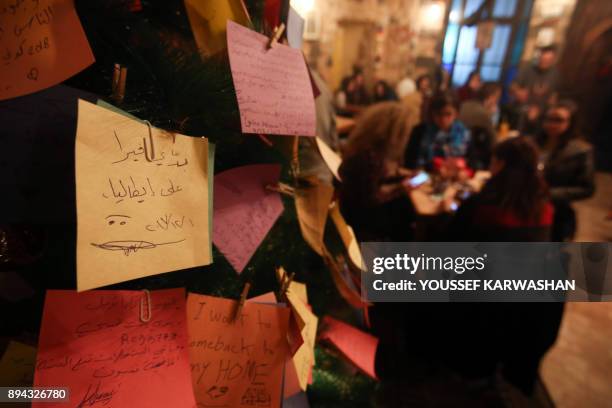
[434, 209]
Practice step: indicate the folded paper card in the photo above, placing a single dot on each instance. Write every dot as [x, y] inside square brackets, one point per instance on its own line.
[303, 359]
[244, 211]
[312, 207]
[273, 86]
[330, 157]
[42, 44]
[17, 365]
[208, 19]
[236, 363]
[357, 346]
[142, 199]
[96, 344]
[295, 28]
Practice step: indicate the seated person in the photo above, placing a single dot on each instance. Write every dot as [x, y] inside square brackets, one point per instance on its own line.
[512, 206]
[372, 197]
[568, 166]
[477, 114]
[443, 136]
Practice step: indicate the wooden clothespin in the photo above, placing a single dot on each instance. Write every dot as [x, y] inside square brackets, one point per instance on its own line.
[278, 31]
[281, 188]
[284, 281]
[118, 84]
[145, 304]
[240, 305]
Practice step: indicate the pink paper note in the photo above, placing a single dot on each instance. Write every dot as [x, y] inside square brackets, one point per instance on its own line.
[95, 344]
[272, 85]
[357, 346]
[244, 211]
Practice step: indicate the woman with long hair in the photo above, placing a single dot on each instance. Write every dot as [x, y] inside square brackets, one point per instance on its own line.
[513, 205]
[568, 165]
[506, 338]
[371, 195]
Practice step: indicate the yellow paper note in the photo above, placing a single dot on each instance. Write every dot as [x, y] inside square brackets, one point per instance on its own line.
[17, 365]
[142, 199]
[312, 206]
[208, 19]
[348, 237]
[330, 157]
[236, 363]
[303, 359]
[42, 44]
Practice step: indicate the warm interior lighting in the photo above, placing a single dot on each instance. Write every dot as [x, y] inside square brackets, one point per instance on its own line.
[432, 15]
[303, 7]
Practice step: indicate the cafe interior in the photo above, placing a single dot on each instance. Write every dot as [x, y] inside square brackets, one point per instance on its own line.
[444, 113]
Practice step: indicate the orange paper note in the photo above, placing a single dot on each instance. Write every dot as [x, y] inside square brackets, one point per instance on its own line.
[95, 344]
[42, 44]
[236, 363]
[357, 346]
[272, 85]
[142, 199]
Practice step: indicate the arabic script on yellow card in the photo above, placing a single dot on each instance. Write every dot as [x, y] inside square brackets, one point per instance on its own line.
[142, 199]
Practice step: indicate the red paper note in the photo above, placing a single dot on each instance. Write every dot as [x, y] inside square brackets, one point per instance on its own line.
[236, 363]
[244, 211]
[357, 346]
[272, 85]
[95, 344]
[42, 44]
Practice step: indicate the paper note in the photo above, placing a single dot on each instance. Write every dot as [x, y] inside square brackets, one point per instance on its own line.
[357, 346]
[236, 363]
[211, 164]
[142, 199]
[42, 44]
[295, 29]
[96, 344]
[330, 157]
[244, 211]
[303, 359]
[312, 206]
[208, 20]
[17, 365]
[272, 85]
[348, 237]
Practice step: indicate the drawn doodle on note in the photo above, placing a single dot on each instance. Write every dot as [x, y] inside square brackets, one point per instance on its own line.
[131, 246]
[115, 219]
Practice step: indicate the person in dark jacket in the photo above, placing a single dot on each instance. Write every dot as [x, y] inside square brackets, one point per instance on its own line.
[383, 92]
[568, 165]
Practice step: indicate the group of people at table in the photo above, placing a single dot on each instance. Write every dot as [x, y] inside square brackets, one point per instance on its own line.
[450, 175]
[484, 184]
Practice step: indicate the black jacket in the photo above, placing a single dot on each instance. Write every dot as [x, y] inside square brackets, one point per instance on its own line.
[570, 172]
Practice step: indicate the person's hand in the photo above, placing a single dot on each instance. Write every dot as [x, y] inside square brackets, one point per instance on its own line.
[404, 172]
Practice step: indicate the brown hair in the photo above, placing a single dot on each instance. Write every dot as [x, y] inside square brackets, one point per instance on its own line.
[384, 128]
[519, 186]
